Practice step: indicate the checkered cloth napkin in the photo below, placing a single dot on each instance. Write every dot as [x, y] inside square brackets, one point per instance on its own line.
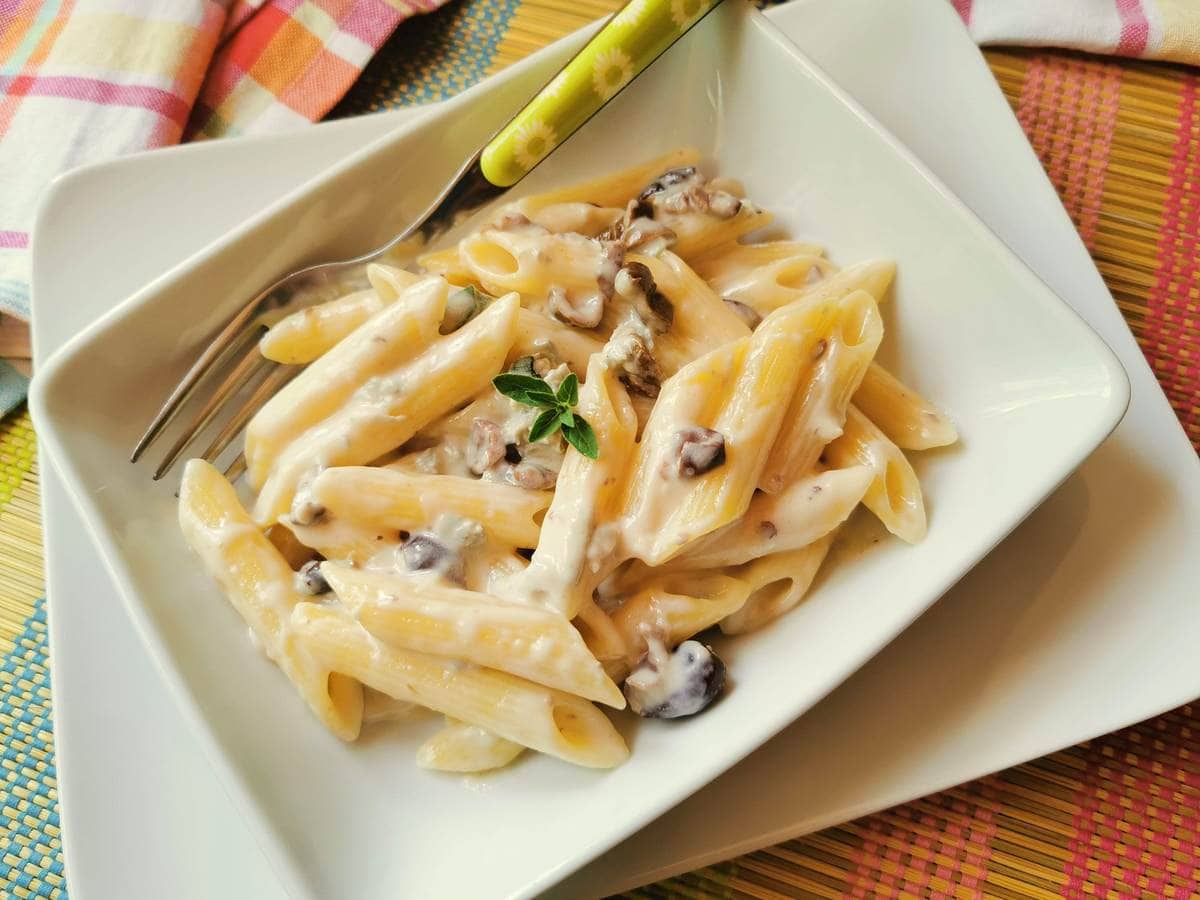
[86, 80]
[1150, 29]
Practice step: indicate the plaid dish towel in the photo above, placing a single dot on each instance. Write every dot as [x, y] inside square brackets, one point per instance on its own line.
[86, 80]
[1150, 29]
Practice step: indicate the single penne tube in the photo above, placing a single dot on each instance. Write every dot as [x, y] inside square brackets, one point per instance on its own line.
[529, 714]
[816, 412]
[609, 190]
[576, 216]
[894, 495]
[874, 276]
[702, 321]
[729, 397]
[805, 511]
[373, 496]
[424, 613]
[571, 556]
[260, 585]
[390, 408]
[606, 643]
[728, 263]
[400, 333]
[774, 284]
[911, 421]
[537, 333]
[777, 583]
[531, 263]
[351, 542]
[460, 747]
[306, 334]
[697, 234]
[672, 608]
[309, 333]
[447, 263]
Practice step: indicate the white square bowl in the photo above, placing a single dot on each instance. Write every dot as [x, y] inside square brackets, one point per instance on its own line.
[1033, 391]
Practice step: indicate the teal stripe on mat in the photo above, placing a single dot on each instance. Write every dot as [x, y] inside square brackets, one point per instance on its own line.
[431, 57]
[31, 862]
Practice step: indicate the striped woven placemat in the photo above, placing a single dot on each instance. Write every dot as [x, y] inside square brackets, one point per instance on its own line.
[1116, 817]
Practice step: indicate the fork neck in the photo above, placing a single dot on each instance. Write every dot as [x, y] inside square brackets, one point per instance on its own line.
[469, 191]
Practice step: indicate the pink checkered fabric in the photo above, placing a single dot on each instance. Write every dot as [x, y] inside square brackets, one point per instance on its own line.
[1150, 29]
[86, 80]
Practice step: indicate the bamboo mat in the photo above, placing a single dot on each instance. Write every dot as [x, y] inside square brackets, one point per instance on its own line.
[1116, 817]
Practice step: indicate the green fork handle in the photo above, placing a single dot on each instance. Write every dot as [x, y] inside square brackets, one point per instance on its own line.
[631, 40]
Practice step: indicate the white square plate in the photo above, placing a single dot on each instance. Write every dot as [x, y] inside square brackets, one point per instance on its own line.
[1034, 391]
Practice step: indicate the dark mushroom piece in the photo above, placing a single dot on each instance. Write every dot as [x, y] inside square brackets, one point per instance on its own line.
[636, 284]
[531, 476]
[629, 354]
[610, 265]
[697, 450]
[682, 684]
[485, 445]
[582, 312]
[310, 579]
[669, 179]
[423, 552]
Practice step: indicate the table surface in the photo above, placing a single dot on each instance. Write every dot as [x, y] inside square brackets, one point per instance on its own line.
[1118, 816]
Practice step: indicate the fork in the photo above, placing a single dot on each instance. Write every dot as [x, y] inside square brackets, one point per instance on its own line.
[632, 39]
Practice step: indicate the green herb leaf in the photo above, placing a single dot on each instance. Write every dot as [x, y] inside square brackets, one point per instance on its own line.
[582, 438]
[527, 389]
[568, 391]
[566, 417]
[544, 425]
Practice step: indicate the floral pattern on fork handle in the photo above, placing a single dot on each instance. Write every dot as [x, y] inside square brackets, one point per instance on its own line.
[631, 40]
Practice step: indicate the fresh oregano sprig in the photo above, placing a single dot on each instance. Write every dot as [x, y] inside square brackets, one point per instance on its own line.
[558, 409]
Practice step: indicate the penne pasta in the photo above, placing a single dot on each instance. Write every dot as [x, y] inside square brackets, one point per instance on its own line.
[534, 716]
[817, 410]
[539, 334]
[894, 495]
[259, 584]
[416, 612]
[730, 392]
[777, 583]
[408, 326]
[532, 263]
[449, 264]
[672, 608]
[696, 236]
[391, 499]
[804, 512]
[389, 409]
[774, 284]
[729, 263]
[911, 421]
[614, 189]
[514, 508]
[571, 556]
[702, 321]
[307, 334]
[874, 276]
[460, 747]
